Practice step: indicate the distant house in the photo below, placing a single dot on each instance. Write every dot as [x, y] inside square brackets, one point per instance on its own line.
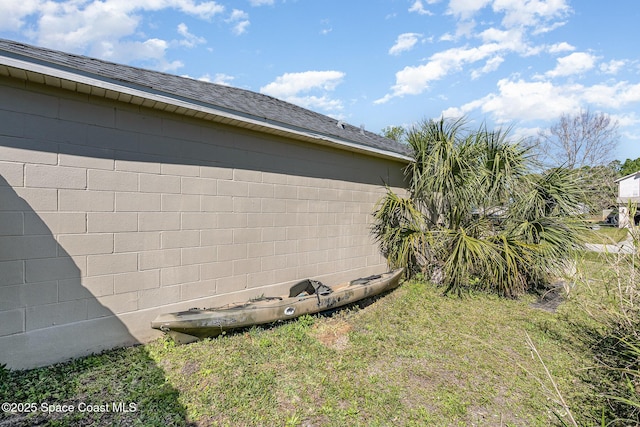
[127, 192]
[628, 196]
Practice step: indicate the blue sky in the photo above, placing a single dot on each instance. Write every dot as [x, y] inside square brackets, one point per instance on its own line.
[519, 63]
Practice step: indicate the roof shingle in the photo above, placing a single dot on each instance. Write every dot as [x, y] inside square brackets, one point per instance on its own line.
[233, 99]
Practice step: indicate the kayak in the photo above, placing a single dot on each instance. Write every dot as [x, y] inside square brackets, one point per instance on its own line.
[306, 297]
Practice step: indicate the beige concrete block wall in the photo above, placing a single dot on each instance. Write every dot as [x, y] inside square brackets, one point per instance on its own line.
[111, 214]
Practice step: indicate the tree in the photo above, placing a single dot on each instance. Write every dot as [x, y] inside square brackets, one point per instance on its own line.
[396, 133]
[586, 142]
[583, 139]
[630, 166]
[475, 214]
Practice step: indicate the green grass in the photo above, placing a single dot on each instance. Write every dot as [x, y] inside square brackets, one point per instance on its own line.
[606, 235]
[412, 357]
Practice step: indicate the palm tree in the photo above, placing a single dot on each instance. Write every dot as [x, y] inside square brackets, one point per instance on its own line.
[475, 214]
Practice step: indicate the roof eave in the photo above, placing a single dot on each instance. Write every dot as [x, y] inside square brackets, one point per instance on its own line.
[52, 74]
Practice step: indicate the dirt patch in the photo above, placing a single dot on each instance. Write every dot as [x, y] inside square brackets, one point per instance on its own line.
[334, 335]
[551, 299]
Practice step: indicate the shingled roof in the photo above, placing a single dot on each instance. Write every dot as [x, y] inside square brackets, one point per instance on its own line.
[187, 96]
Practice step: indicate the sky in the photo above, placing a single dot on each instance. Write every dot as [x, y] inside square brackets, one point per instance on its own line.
[507, 63]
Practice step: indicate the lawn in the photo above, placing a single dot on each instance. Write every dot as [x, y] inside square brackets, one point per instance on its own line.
[411, 357]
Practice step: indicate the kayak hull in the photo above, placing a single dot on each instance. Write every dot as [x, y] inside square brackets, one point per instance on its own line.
[190, 325]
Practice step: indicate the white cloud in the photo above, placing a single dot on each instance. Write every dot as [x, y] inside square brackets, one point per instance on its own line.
[223, 79]
[531, 13]
[101, 28]
[240, 21]
[465, 9]
[302, 88]
[418, 8]
[413, 80]
[261, 2]
[613, 66]
[518, 100]
[561, 47]
[404, 42]
[189, 39]
[575, 63]
[492, 64]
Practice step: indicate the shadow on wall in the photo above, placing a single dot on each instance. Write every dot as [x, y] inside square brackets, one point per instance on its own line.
[43, 300]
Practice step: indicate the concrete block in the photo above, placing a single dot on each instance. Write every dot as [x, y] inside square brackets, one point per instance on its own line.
[11, 223]
[199, 221]
[45, 176]
[285, 192]
[180, 239]
[86, 112]
[179, 169]
[247, 175]
[247, 204]
[297, 206]
[191, 185]
[109, 305]
[158, 221]
[12, 174]
[180, 203]
[255, 250]
[247, 235]
[112, 180]
[137, 280]
[111, 263]
[159, 183]
[273, 234]
[27, 247]
[216, 270]
[216, 172]
[196, 290]
[281, 275]
[232, 252]
[86, 244]
[12, 273]
[137, 166]
[134, 242]
[158, 297]
[308, 193]
[87, 158]
[199, 255]
[233, 188]
[216, 237]
[216, 203]
[231, 284]
[232, 220]
[274, 178]
[137, 202]
[13, 123]
[157, 259]
[260, 220]
[86, 201]
[178, 275]
[28, 295]
[285, 247]
[273, 206]
[27, 151]
[44, 316]
[246, 266]
[85, 288]
[54, 223]
[257, 280]
[261, 190]
[111, 222]
[12, 322]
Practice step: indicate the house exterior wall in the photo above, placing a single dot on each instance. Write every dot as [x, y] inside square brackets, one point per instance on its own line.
[629, 187]
[111, 214]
